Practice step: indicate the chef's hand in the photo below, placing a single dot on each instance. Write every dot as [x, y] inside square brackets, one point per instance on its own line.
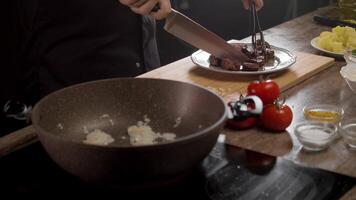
[144, 7]
[258, 3]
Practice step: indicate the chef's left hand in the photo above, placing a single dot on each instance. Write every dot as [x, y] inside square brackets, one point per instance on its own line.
[144, 7]
[258, 3]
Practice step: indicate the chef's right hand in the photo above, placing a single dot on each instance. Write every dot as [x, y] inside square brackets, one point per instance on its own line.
[145, 7]
[241, 57]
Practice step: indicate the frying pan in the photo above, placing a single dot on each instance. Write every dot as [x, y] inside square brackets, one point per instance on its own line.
[62, 118]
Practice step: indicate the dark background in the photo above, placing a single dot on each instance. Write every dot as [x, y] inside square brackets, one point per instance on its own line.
[226, 18]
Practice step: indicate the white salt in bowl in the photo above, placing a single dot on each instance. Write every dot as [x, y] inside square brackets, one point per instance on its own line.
[314, 135]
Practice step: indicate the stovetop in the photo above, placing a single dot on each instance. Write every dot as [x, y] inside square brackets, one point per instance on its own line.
[227, 173]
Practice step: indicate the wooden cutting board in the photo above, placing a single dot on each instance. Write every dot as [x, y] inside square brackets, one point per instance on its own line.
[185, 70]
[227, 85]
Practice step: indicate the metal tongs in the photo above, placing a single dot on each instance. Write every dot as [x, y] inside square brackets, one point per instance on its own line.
[256, 29]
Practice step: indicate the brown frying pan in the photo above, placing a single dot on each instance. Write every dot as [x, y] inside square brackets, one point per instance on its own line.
[113, 105]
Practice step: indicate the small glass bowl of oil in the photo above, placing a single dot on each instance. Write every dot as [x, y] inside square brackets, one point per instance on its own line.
[324, 113]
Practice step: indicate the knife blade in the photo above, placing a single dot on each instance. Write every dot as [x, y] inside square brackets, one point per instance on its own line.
[196, 35]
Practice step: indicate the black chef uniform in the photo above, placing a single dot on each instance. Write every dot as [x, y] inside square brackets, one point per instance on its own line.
[64, 42]
[74, 41]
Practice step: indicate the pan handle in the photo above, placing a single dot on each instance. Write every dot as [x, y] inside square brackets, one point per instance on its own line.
[17, 110]
[17, 140]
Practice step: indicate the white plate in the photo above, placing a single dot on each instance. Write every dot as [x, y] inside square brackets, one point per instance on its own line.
[284, 59]
[332, 54]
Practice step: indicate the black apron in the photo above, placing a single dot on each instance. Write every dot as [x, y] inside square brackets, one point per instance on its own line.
[74, 41]
[57, 43]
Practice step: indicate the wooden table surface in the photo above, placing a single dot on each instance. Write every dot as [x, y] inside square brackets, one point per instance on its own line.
[327, 87]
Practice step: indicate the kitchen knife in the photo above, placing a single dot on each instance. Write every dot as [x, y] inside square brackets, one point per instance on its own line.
[328, 21]
[196, 35]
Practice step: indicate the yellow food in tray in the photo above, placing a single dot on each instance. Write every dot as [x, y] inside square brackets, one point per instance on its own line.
[338, 40]
[352, 21]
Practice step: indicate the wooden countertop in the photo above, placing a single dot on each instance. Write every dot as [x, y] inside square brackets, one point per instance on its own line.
[325, 87]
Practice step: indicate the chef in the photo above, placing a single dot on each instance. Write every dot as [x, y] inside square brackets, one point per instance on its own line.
[72, 41]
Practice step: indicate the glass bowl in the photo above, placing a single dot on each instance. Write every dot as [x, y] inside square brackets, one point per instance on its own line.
[314, 135]
[348, 72]
[348, 132]
[324, 113]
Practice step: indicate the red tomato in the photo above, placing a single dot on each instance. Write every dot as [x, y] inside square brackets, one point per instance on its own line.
[276, 118]
[268, 90]
[241, 124]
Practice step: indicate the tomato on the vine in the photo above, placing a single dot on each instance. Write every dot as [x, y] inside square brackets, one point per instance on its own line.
[276, 117]
[267, 90]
